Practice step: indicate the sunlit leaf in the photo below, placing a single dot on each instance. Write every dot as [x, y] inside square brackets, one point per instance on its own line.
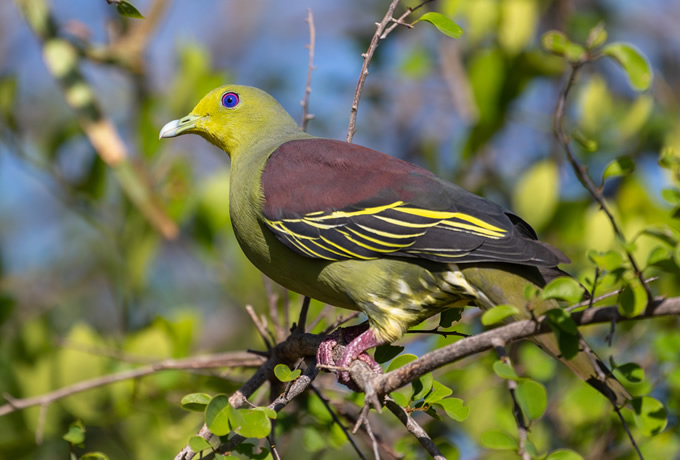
[422, 386]
[499, 440]
[558, 43]
[217, 415]
[498, 313]
[610, 260]
[631, 372]
[285, 374]
[253, 424]
[633, 62]
[454, 408]
[563, 288]
[564, 454]
[650, 415]
[442, 23]
[198, 444]
[532, 398]
[596, 37]
[505, 371]
[438, 392]
[632, 301]
[76, 433]
[400, 361]
[195, 401]
[621, 166]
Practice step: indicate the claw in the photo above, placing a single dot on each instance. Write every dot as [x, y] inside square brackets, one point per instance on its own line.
[362, 339]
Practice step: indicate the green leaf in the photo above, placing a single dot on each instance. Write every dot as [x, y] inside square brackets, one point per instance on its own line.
[558, 43]
[94, 456]
[596, 37]
[536, 194]
[505, 371]
[401, 360]
[499, 440]
[253, 424]
[610, 260]
[442, 23]
[284, 374]
[400, 398]
[564, 454]
[563, 288]
[217, 415]
[454, 408]
[631, 372]
[532, 398]
[384, 353]
[561, 320]
[422, 386]
[433, 413]
[269, 412]
[76, 433]
[438, 392]
[531, 292]
[127, 9]
[448, 317]
[498, 313]
[650, 415]
[632, 301]
[621, 166]
[198, 444]
[672, 195]
[633, 62]
[195, 401]
[668, 158]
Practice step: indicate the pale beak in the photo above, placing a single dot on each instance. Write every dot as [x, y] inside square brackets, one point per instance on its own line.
[176, 127]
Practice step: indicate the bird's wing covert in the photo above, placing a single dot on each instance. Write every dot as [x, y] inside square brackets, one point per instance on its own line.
[332, 200]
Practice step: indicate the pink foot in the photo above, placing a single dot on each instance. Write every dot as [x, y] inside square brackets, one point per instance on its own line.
[361, 339]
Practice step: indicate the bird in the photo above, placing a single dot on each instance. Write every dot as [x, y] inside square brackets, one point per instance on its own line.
[359, 229]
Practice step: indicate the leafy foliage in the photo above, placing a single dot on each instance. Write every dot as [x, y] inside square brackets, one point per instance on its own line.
[90, 288]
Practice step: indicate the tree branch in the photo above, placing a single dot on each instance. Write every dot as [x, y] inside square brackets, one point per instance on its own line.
[232, 359]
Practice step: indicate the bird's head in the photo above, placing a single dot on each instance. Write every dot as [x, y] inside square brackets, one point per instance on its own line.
[235, 118]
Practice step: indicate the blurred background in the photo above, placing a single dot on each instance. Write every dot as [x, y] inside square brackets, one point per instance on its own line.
[90, 285]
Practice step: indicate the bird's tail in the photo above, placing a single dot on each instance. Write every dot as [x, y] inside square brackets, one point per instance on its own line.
[505, 284]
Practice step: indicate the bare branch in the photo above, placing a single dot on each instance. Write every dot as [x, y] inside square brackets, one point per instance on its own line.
[415, 429]
[368, 55]
[233, 359]
[260, 326]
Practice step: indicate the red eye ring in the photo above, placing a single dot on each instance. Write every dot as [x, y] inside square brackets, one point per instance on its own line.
[230, 100]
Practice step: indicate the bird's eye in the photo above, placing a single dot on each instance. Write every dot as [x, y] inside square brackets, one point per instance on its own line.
[230, 100]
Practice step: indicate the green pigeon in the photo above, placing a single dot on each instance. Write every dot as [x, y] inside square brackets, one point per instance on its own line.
[359, 229]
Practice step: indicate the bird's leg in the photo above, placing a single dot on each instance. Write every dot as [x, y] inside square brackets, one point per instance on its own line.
[360, 339]
[356, 349]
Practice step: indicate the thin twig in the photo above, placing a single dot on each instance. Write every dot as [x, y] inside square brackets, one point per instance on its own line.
[272, 448]
[337, 421]
[415, 429]
[261, 328]
[522, 430]
[582, 172]
[630, 435]
[368, 55]
[273, 302]
[589, 303]
[436, 331]
[306, 116]
[374, 441]
[341, 320]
